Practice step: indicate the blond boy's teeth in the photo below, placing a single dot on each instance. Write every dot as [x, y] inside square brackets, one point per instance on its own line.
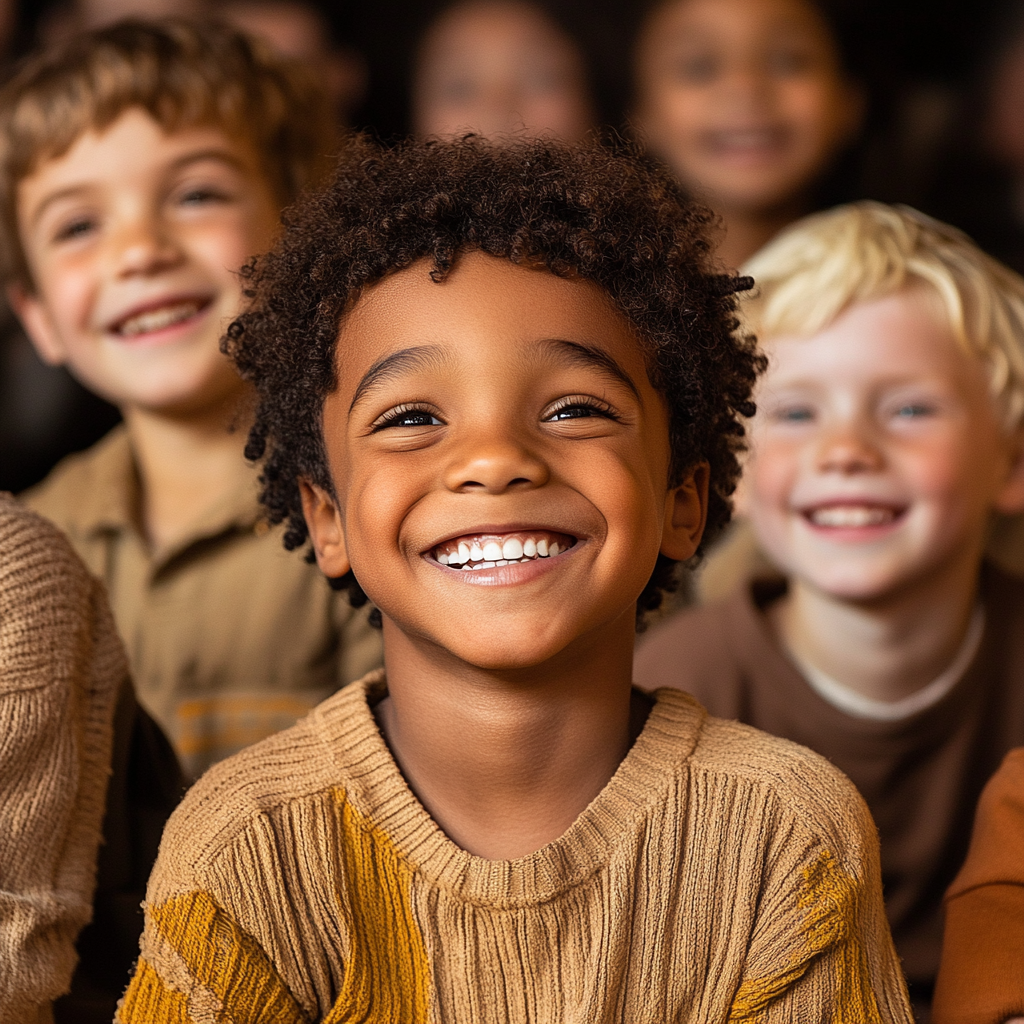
[509, 549]
[158, 319]
[852, 516]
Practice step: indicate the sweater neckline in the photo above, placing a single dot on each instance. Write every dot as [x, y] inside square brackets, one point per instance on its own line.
[375, 786]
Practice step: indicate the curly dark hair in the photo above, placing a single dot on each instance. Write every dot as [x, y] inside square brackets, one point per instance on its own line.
[600, 211]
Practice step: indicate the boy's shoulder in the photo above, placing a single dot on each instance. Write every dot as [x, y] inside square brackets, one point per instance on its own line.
[313, 759]
[88, 488]
[803, 786]
[705, 650]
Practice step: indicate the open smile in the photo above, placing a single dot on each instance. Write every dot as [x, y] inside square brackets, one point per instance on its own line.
[490, 550]
[853, 515]
[159, 316]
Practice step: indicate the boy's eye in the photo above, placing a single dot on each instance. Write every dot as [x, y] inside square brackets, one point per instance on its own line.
[74, 229]
[575, 408]
[406, 416]
[200, 195]
[788, 61]
[914, 410]
[794, 414]
[697, 68]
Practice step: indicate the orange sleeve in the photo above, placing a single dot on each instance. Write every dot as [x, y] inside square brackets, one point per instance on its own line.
[981, 976]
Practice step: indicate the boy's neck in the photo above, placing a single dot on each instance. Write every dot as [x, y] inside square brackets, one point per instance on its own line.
[506, 762]
[887, 649]
[186, 466]
[748, 230]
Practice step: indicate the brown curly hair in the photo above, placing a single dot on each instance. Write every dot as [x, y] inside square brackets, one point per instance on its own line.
[600, 211]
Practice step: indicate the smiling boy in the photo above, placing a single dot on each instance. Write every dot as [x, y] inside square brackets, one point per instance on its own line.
[141, 166]
[888, 435]
[498, 391]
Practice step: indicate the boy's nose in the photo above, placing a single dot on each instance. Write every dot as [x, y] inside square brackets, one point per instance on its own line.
[495, 467]
[848, 449]
[143, 248]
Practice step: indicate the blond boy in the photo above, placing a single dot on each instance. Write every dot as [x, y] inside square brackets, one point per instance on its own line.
[887, 435]
[140, 167]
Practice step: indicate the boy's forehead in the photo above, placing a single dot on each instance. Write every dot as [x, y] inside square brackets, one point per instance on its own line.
[902, 334]
[484, 309]
[135, 137]
[691, 21]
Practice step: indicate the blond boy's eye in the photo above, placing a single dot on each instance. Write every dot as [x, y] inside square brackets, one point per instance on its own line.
[795, 414]
[912, 410]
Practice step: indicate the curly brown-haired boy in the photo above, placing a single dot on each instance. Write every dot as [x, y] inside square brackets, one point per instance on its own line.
[498, 391]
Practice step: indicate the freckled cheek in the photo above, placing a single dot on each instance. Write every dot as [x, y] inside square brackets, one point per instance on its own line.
[771, 472]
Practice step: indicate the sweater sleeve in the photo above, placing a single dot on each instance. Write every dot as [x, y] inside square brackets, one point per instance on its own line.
[61, 667]
[821, 950]
[198, 964]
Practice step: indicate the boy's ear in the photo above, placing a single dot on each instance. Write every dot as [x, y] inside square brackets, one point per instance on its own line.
[35, 318]
[1010, 499]
[686, 512]
[325, 529]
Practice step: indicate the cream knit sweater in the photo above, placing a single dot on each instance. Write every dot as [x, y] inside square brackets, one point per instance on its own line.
[721, 875]
[61, 667]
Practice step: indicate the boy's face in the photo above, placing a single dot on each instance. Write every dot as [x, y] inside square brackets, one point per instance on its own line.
[500, 69]
[504, 415]
[744, 99]
[877, 454]
[134, 238]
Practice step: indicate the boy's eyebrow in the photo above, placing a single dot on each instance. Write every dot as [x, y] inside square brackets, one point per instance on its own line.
[210, 153]
[390, 366]
[595, 358]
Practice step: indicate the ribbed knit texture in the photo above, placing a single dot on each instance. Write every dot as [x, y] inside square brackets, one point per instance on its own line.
[720, 875]
[61, 666]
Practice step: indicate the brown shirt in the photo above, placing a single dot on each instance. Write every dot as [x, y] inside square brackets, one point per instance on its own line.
[230, 637]
[981, 980]
[921, 777]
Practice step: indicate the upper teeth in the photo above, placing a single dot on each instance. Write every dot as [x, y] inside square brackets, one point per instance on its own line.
[486, 553]
[852, 515]
[157, 319]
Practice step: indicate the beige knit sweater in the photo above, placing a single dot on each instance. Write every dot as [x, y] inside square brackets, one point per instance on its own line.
[61, 667]
[721, 875]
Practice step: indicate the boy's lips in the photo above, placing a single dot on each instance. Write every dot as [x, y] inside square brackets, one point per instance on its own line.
[746, 143]
[852, 515]
[148, 318]
[474, 551]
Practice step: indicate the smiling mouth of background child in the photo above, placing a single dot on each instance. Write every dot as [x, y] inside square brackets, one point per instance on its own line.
[485, 551]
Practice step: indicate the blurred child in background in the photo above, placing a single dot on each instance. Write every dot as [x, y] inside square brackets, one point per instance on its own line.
[141, 166]
[500, 68]
[301, 32]
[889, 429]
[749, 103]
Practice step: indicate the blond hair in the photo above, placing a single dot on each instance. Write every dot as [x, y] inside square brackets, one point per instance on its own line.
[815, 269]
[182, 74]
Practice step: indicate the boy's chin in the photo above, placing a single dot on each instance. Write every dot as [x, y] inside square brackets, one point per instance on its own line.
[858, 584]
[502, 647]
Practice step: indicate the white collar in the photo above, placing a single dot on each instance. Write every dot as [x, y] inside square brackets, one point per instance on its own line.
[859, 706]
